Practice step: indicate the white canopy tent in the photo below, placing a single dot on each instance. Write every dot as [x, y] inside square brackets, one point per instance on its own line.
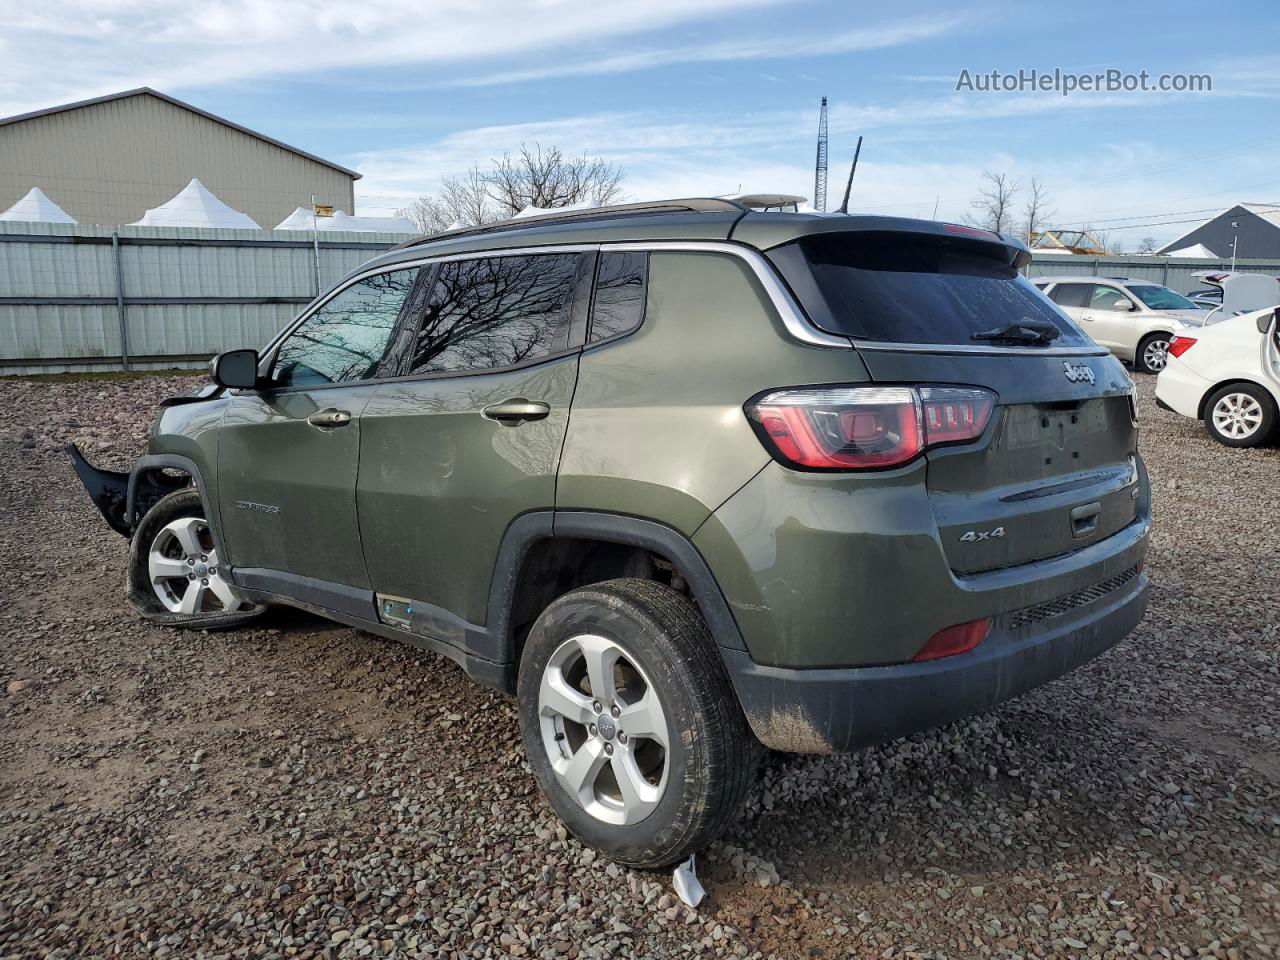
[196, 206]
[35, 207]
[302, 219]
[1195, 250]
[340, 221]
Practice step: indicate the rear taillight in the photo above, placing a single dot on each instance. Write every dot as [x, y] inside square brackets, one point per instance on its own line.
[865, 428]
[961, 638]
[1180, 345]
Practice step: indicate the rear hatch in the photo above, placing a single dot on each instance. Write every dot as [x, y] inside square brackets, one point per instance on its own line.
[1056, 468]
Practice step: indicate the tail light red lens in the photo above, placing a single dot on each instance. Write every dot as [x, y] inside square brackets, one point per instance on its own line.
[961, 638]
[865, 428]
[1180, 345]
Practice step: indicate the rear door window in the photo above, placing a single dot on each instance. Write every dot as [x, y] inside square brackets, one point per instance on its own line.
[899, 288]
[495, 312]
[1071, 294]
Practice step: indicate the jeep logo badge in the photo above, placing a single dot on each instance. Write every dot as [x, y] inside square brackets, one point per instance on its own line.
[1077, 372]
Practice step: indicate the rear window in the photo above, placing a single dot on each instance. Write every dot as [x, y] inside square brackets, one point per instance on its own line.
[903, 289]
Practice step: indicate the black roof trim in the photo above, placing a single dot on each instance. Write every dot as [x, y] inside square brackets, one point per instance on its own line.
[138, 91]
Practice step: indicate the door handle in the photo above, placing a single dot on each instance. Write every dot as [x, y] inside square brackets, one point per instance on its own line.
[327, 419]
[516, 411]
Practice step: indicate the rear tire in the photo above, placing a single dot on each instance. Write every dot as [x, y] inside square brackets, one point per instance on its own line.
[174, 577]
[1240, 415]
[1152, 353]
[665, 771]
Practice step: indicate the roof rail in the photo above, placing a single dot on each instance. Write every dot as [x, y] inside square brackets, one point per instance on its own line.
[686, 205]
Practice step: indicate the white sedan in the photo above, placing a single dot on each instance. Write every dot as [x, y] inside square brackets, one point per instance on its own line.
[1227, 375]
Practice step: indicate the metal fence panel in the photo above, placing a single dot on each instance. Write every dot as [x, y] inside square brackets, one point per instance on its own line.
[188, 293]
[1174, 273]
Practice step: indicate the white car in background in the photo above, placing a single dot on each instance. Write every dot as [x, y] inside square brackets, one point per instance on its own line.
[1227, 375]
[1134, 319]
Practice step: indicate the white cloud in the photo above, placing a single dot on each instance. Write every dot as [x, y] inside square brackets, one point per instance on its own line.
[770, 48]
[72, 49]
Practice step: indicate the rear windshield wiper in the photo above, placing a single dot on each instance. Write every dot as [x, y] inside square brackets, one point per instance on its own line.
[1023, 331]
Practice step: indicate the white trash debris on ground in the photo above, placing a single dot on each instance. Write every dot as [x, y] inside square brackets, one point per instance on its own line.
[685, 881]
[299, 789]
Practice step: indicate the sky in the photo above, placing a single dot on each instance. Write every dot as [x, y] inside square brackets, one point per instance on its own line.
[708, 97]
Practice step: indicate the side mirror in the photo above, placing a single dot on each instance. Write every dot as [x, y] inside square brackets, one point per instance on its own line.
[1132, 308]
[236, 368]
[1265, 321]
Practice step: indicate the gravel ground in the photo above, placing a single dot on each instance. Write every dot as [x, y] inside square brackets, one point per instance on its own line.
[301, 789]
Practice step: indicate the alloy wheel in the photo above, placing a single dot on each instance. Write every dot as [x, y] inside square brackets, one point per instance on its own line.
[1237, 415]
[1156, 354]
[184, 570]
[604, 729]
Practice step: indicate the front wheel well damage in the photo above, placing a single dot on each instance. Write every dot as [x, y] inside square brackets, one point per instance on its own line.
[151, 484]
[124, 498]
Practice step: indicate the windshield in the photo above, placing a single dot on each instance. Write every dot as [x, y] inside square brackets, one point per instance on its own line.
[1161, 298]
[903, 288]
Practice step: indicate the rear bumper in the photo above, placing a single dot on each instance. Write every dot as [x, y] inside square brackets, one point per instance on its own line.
[837, 710]
[1180, 389]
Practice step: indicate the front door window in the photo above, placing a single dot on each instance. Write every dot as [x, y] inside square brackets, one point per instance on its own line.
[345, 339]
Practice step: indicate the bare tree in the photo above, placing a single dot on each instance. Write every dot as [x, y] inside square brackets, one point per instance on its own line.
[545, 177]
[1036, 212]
[994, 202]
[1147, 245]
[537, 176]
[462, 201]
[1104, 241]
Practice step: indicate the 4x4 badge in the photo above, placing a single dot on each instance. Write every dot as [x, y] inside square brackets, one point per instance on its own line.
[1078, 372]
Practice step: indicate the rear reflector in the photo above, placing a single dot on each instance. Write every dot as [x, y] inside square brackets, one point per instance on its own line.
[961, 638]
[865, 428]
[1180, 345]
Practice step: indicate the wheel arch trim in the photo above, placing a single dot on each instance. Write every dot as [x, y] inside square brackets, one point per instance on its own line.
[530, 528]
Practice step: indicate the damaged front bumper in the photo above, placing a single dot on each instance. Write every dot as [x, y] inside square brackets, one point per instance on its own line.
[108, 490]
[122, 498]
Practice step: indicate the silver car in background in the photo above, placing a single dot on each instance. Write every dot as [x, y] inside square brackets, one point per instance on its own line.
[1134, 319]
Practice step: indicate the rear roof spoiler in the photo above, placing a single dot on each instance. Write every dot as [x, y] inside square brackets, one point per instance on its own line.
[766, 231]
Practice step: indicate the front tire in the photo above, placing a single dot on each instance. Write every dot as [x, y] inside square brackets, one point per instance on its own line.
[1153, 353]
[1240, 415]
[175, 577]
[630, 723]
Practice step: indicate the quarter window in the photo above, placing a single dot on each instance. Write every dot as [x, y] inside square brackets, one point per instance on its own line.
[494, 312]
[346, 338]
[618, 306]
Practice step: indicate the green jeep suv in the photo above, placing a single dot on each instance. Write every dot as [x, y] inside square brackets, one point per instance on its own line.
[685, 478]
